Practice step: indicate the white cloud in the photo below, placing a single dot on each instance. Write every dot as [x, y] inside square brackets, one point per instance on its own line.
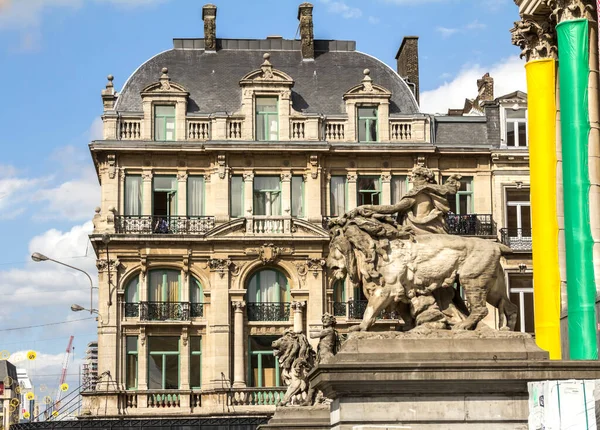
[447, 32]
[373, 20]
[341, 8]
[508, 74]
[16, 190]
[475, 25]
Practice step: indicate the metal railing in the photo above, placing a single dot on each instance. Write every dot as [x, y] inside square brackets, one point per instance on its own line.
[151, 224]
[164, 311]
[355, 309]
[339, 309]
[471, 224]
[518, 239]
[268, 311]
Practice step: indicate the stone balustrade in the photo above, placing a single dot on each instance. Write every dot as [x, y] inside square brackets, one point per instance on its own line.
[198, 129]
[130, 129]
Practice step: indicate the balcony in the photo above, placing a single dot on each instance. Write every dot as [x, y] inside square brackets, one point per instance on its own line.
[471, 225]
[255, 396]
[151, 224]
[268, 224]
[268, 311]
[164, 311]
[518, 239]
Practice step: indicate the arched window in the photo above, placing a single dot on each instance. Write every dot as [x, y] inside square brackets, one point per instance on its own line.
[132, 298]
[268, 296]
[268, 286]
[196, 298]
[164, 286]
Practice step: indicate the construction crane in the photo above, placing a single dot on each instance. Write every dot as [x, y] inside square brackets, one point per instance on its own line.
[63, 375]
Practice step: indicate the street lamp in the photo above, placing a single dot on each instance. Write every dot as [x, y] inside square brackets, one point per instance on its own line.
[79, 308]
[37, 257]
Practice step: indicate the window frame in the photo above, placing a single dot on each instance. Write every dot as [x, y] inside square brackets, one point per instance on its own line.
[258, 298]
[164, 363]
[174, 191]
[359, 191]
[368, 121]
[264, 117]
[259, 354]
[521, 291]
[345, 178]
[255, 191]
[193, 354]
[243, 196]
[516, 123]
[303, 193]
[141, 195]
[164, 118]
[459, 194]
[164, 288]
[137, 363]
[187, 197]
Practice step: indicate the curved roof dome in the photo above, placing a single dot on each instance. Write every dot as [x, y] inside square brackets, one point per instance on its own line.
[212, 79]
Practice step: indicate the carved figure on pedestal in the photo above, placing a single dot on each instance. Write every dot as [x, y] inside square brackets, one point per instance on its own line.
[296, 359]
[328, 338]
[412, 268]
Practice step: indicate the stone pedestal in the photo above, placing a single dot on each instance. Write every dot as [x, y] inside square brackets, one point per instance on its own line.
[437, 380]
[299, 418]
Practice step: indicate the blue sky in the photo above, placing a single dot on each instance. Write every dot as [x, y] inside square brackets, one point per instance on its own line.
[54, 60]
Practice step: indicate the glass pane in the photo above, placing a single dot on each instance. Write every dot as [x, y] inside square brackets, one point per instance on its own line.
[297, 196]
[195, 196]
[522, 134]
[163, 344]
[133, 195]
[262, 343]
[266, 183]
[170, 129]
[155, 373]
[511, 219]
[195, 371]
[517, 195]
[273, 122]
[266, 104]
[338, 195]
[159, 128]
[196, 291]
[131, 371]
[164, 110]
[237, 193]
[510, 133]
[268, 286]
[367, 183]
[165, 183]
[254, 370]
[195, 344]
[367, 112]
[362, 130]
[372, 130]
[464, 204]
[452, 202]
[526, 220]
[523, 281]
[267, 199]
[268, 368]
[172, 286]
[529, 312]
[131, 343]
[172, 372]
[398, 188]
[155, 286]
[513, 114]
[131, 291]
[338, 292]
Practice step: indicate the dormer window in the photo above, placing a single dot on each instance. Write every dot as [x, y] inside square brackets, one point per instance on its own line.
[367, 124]
[164, 122]
[267, 119]
[516, 128]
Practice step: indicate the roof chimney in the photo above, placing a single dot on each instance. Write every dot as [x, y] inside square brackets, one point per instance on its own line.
[485, 88]
[408, 62]
[209, 16]
[307, 36]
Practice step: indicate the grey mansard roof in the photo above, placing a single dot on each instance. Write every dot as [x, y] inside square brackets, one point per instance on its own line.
[212, 79]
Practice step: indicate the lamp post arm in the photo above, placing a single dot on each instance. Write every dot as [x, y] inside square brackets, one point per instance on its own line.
[82, 271]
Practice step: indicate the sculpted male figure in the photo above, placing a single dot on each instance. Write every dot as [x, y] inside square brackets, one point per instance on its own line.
[328, 338]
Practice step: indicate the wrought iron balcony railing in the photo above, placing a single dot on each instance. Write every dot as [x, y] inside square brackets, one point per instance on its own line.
[268, 311]
[471, 224]
[339, 309]
[164, 311]
[356, 310]
[151, 224]
[518, 239]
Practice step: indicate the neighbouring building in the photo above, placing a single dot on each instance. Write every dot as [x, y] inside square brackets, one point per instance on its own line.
[26, 406]
[90, 367]
[9, 397]
[221, 162]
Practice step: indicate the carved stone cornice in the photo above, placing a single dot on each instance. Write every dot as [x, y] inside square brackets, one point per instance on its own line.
[537, 39]
[565, 10]
[102, 265]
[219, 265]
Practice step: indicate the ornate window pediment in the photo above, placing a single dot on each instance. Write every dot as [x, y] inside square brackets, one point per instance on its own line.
[164, 86]
[367, 89]
[267, 75]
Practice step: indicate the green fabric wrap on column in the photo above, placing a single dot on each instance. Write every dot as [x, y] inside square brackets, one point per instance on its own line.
[573, 48]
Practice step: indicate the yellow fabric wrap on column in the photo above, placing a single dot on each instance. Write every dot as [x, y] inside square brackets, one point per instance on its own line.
[541, 100]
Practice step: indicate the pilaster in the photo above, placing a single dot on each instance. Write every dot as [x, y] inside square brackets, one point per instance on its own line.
[286, 193]
[298, 309]
[386, 188]
[352, 198]
[182, 177]
[147, 192]
[239, 374]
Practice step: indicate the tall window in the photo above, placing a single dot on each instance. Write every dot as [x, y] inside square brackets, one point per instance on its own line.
[369, 190]
[268, 285]
[267, 195]
[163, 363]
[195, 361]
[518, 211]
[132, 298]
[164, 285]
[196, 298]
[521, 294]
[516, 127]
[267, 121]
[399, 188]
[337, 196]
[164, 198]
[133, 195]
[164, 122]
[236, 206]
[131, 363]
[367, 124]
[462, 202]
[195, 196]
[264, 366]
[298, 196]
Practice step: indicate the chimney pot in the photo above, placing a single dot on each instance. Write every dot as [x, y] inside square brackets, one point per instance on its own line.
[307, 37]
[408, 63]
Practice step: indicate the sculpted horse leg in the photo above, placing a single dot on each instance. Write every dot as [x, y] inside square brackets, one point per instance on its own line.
[475, 293]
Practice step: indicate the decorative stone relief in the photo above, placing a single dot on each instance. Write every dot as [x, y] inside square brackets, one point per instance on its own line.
[564, 10]
[536, 39]
[269, 253]
[298, 306]
[386, 177]
[421, 161]
[143, 335]
[111, 162]
[315, 265]
[219, 265]
[221, 165]
[248, 176]
[144, 264]
[238, 306]
[102, 265]
[184, 336]
[314, 166]
[164, 80]
[182, 176]
[147, 175]
[352, 176]
[286, 177]
[207, 177]
[302, 270]
[266, 67]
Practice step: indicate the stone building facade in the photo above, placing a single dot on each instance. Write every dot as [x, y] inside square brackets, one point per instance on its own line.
[221, 163]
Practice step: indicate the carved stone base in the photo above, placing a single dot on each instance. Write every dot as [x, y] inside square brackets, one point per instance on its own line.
[299, 418]
[436, 380]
